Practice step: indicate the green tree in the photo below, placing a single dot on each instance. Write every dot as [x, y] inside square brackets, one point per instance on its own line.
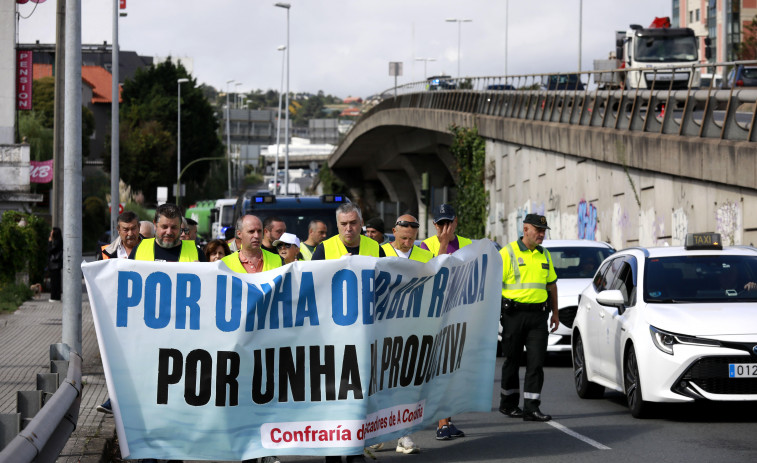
[149, 125]
[469, 149]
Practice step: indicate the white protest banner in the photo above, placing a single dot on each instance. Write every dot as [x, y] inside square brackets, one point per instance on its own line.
[314, 358]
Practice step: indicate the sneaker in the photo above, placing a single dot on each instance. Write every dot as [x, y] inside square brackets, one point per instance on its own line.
[406, 445]
[378, 446]
[270, 460]
[105, 407]
[443, 433]
[454, 432]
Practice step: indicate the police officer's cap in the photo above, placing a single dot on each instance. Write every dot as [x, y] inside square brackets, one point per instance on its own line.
[538, 221]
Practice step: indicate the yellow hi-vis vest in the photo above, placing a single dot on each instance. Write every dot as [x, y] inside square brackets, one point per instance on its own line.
[146, 250]
[270, 261]
[306, 253]
[526, 273]
[333, 248]
[418, 254]
[433, 243]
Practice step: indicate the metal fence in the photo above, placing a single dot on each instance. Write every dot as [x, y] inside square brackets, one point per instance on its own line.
[599, 101]
[46, 417]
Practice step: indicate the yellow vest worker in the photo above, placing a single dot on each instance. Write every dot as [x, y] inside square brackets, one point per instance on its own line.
[417, 254]
[306, 253]
[270, 261]
[528, 278]
[432, 243]
[146, 251]
[334, 248]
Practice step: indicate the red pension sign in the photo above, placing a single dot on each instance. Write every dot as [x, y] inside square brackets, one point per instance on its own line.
[24, 79]
[122, 4]
[41, 171]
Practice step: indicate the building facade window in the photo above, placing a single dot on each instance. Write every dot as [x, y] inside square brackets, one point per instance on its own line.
[675, 20]
[712, 29]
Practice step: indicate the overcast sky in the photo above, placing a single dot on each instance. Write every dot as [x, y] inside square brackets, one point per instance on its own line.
[343, 47]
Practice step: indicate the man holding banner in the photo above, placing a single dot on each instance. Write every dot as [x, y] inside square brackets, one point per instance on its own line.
[167, 246]
[251, 258]
[349, 241]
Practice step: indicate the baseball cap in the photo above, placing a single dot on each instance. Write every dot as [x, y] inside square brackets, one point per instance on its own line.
[288, 238]
[538, 221]
[444, 212]
[376, 223]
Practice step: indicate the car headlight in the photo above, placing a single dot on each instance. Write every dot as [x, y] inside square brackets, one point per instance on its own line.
[665, 341]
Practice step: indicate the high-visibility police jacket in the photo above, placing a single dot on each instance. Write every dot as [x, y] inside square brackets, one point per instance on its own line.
[307, 254]
[146, 250]
[419, 254]
[526, 273]
[333, 248]
[270, 261]
[432, 242]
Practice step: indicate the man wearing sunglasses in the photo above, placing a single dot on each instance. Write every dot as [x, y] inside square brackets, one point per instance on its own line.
[445, 242]
[405, 232]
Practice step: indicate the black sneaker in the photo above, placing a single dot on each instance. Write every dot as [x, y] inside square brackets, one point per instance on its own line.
[105, 407]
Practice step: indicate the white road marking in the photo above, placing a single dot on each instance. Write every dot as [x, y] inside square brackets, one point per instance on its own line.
[578, 436]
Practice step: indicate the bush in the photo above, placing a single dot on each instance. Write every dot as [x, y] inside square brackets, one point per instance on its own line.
[12, 295]
[23, 248]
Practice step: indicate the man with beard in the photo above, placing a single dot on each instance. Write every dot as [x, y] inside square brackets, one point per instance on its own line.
[167, 246]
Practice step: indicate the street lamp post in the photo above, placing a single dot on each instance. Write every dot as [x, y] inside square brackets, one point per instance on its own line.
[286, 6]
[114, 141]
[228, 138]
[178, 143]
[425, 62]
[459, 27]
[278, 125]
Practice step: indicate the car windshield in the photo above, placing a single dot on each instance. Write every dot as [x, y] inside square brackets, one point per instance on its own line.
[577, 262]
[749, 73]
[666, 49]
[716, 278]
[298, 220]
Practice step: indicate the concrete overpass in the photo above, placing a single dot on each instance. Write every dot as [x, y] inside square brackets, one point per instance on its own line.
[595, 162]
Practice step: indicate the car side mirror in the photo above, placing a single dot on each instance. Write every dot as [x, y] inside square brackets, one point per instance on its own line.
[611, 298]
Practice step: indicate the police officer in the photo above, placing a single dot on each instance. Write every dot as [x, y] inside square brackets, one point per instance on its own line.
[528, 277]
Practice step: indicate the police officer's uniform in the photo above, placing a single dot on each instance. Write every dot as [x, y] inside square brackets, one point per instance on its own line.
[525, 313]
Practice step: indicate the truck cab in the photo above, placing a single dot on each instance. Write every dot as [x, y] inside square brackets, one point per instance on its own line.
[659, 56]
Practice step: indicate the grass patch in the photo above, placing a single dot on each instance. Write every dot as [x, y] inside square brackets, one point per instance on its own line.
[12, 295]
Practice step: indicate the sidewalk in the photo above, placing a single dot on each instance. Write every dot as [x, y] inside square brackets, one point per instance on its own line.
[25, 338]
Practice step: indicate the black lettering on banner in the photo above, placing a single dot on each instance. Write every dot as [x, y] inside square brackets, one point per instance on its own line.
[326, 369]
[409, 357]
[258, 396]
[424, 357]
[372, 389]
[292, 373]
[227, 371]
[192, 396]
[386, 356]
[170, 369]
[394, 370]
[350, 380]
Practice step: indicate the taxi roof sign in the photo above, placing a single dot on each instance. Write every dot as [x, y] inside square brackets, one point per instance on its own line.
[696, 241]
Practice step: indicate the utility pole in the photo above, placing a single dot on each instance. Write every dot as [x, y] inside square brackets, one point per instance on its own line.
[56, 193]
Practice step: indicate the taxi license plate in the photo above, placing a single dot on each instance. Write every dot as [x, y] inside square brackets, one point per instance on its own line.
[742, 370]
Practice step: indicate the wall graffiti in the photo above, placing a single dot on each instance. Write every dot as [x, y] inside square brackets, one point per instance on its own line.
[680, 225]
[587, 221]
[728, 222]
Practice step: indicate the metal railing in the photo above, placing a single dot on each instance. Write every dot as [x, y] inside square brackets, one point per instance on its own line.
[599, 101]
[45, 435]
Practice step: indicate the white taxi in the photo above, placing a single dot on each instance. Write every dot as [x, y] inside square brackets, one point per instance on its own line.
[670, 324]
